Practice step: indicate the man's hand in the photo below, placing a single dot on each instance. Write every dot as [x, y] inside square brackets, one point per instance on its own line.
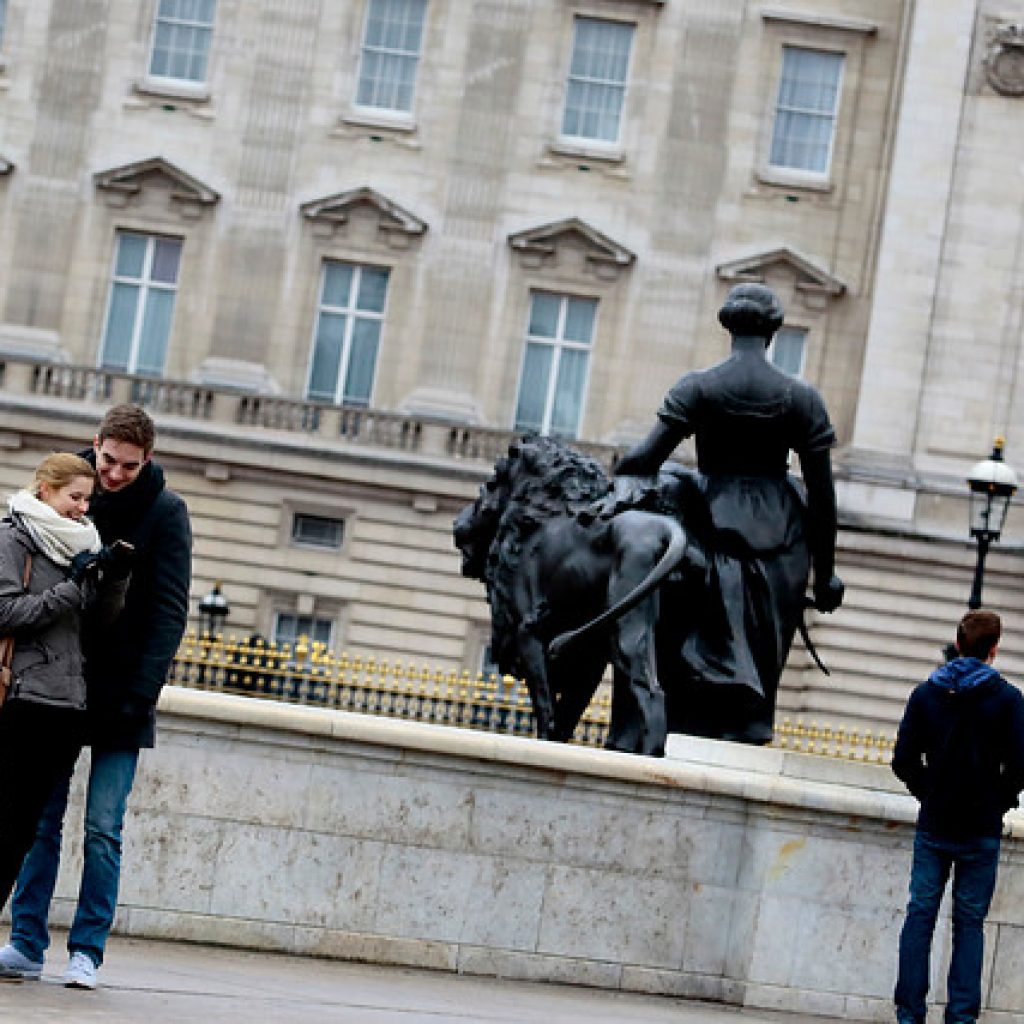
[828, 593]
[116, 560]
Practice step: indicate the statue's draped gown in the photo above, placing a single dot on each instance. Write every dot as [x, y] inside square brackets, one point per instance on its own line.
[749, 517]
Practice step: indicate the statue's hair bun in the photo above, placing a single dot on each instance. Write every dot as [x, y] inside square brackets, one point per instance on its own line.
[751, 309]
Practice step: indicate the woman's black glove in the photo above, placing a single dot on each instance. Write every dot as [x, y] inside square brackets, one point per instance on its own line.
[85, 565]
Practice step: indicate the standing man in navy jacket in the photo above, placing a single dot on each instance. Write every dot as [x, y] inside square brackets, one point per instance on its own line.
[126, 666]
[960, 751]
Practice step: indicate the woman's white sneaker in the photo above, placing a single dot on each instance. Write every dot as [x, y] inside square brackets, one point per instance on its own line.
[81, 972]
[14, 962]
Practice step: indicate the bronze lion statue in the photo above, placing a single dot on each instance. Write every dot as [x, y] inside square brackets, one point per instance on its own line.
[551, 568]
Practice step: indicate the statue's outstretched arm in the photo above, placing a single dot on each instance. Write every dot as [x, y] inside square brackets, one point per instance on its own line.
[821, 529]
[646, 457]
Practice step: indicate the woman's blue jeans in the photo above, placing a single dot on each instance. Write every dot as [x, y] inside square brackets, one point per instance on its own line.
[111, 775]
[973, 863]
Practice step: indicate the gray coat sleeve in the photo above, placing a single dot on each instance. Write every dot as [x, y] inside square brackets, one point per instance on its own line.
[20, 609]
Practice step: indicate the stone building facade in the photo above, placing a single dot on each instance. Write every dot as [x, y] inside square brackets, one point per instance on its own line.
[345, 249]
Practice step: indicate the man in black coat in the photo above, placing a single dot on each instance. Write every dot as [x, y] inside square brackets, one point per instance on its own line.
[126, 666]
[960, 751]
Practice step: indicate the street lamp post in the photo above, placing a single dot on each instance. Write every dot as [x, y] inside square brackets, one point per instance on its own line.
[214, 609]
[992, 483]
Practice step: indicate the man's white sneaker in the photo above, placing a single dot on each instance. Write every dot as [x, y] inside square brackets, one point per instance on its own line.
[81, 972]
[14, 963]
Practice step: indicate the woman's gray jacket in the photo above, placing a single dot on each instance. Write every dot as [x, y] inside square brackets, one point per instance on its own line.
[47, 619]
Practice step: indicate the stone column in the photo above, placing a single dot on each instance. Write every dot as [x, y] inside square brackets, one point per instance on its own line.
[913, 234]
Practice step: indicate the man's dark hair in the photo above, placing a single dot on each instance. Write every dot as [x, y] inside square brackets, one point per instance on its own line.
[978, 633]
[130, 424]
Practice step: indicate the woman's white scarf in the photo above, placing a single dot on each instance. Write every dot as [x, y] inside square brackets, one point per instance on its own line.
[58, 537]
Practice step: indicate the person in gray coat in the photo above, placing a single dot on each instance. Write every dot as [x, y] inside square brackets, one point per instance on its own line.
[55, 579]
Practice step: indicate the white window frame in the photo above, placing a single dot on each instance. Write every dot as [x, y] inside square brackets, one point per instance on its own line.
[188, 85]
[789, 170]
[416, 57]
[790, 331]
[145, 285]
[588, 140]
[559, 344]
[351, 314]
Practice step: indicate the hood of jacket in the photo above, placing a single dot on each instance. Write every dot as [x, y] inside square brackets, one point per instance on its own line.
[964, 675]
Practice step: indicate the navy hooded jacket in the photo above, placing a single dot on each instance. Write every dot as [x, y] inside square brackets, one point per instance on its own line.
[960, 749]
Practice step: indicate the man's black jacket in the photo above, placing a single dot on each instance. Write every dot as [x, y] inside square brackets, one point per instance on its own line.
[960, 749]
[127, 663]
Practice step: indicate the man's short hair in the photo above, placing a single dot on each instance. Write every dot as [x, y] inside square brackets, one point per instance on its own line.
[130, 424]
[978, 633]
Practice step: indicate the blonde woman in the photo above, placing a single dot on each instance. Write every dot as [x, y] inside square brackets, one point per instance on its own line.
[71, 579]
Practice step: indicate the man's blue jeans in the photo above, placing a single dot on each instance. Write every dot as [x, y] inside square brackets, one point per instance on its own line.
[111, 775]
[973, 863]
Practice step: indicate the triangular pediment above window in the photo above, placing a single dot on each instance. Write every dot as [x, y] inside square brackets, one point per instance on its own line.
[809, 277]
[122, 185]
[334, 212]
[538, 247]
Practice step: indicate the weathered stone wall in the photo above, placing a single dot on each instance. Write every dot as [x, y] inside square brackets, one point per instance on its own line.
[754, 877]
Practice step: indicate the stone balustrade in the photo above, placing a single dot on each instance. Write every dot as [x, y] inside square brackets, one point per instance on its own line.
[210, 406]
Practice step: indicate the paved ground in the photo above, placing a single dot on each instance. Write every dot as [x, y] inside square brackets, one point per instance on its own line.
[147, 982]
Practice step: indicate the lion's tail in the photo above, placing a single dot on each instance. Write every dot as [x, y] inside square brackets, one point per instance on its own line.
[674, 553]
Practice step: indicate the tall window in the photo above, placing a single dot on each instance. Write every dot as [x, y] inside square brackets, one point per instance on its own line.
[554, 375]
[598, 73]
[141, 303]
[348, 325]
[288, 627]
[391, 54]
[806, 108]
[3, 22]
[787, 350]
[181, 39]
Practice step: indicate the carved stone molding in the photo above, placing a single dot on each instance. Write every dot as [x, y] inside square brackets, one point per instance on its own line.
[1004, 61]
[331, 213]
[188, 195]
[538, 247]
[811, 280]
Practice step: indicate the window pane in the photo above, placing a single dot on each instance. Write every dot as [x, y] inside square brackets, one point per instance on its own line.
[321, 531]
[156, 329]
[373, 289]
[579, 320]
[568, 402]
[131, 255]
[806, 109]
[533, 387]
[362, 361]
[323, 375]
[337, 285]
[544, 315]
[166, 257]
[3, 20]
[117, 336]
[597, 79]
[787, 350]
[391, 50]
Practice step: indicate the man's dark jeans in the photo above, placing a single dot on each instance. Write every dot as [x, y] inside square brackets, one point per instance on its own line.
[973, 863]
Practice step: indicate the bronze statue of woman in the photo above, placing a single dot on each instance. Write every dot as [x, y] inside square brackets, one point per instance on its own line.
[761, 531]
